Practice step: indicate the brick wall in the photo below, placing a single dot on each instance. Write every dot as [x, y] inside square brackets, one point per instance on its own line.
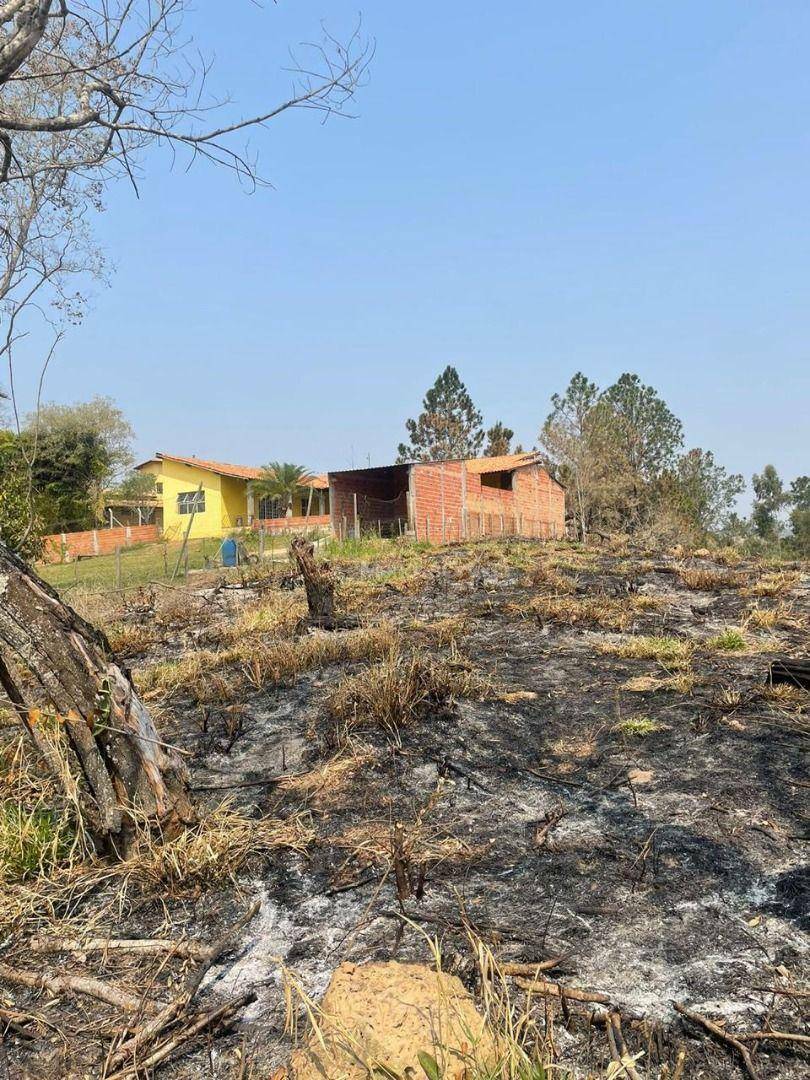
[292, 524]
[382, 496]
[451, 503]
[96, 541]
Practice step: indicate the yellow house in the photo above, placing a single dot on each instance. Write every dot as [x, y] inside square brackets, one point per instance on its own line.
[219, 497]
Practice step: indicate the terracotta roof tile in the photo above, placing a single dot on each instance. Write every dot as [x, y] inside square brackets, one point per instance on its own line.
[500, 464]
[224, 468]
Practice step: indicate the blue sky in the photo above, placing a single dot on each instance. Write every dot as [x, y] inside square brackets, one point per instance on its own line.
[528, 189]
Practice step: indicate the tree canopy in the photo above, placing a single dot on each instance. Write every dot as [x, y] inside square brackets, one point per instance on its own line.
[449, 425]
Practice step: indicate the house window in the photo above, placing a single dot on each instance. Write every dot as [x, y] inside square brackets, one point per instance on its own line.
[500, 480]
[271, 508]
[159, 487]
[189, 501]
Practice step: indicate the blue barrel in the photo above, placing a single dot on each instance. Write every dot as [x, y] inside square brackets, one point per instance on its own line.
[228, 552]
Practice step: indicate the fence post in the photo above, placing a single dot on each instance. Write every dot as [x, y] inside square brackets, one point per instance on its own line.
[185, 561]
[95, 542]
[261, 541]
[118, 566]
[165, 558]
[427, 527]
[502, 525]
[444, 526]
[356, 521]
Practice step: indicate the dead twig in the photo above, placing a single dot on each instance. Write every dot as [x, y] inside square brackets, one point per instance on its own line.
[194, 950]
[185, 1034]
[776, 1036]
[169, 1013]
[531, 969]
[729, 1040]
[77, 984]
[618, 1048]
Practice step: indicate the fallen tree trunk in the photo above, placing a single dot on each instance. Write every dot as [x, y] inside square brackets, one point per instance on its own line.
[52, 657]
[790, 673]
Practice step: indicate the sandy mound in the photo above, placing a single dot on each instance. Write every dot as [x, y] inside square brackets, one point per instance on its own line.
[386, 1013]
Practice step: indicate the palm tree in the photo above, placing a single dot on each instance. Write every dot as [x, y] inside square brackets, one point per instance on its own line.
[281, 480]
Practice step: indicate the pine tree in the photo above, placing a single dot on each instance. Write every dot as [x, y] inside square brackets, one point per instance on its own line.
[449, 425]
[499, 440]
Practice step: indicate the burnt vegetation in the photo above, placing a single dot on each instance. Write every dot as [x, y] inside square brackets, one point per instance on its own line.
[566, 763]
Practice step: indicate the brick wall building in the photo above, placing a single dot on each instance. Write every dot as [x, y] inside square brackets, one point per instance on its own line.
[442, 501]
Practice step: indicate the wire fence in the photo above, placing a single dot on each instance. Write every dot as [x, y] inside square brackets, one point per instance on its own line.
[166, 560]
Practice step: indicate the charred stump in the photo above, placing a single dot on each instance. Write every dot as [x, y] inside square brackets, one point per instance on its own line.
[320, 587]
[50, 656]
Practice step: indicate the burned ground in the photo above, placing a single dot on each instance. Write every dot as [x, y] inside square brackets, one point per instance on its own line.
[565, 752]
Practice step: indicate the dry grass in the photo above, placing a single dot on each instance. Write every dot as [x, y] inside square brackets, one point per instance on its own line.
[760, 618]
[775, 584]
[607, 612]
[704, 580]
[400, 690]
[131, 639]
[441, 632]
[223, 844]
[682, 682]
[547, 575]
[216, 674]
[670, 651]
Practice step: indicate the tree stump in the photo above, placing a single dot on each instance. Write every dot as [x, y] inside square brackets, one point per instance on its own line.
[50, 656]
[318, 582]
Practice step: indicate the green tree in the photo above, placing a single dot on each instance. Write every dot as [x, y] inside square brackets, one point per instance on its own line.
[281, 480]
[800, 514]
[704, 492]
[449, 425]
[75, 453]
[135, 485]
[499, 440]
[568, 438]
[639, 438]
[20, 527]
[769, 499]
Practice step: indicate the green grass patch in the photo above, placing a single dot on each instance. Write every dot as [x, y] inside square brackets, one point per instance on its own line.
[143, 563]
[730, 640]
[637, 727]
[32, 841]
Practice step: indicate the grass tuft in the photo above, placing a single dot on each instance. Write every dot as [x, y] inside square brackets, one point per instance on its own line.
[731, 639]
[672, 651]
[637, 727]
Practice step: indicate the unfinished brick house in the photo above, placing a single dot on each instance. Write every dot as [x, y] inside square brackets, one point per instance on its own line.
[442, 501]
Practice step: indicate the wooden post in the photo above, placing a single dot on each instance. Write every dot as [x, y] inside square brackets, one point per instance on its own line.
[343, 530]
[185, 537]
[444, 529]
[165, 558]
[427, 527]
[185, 562]
[261, 541]
[502, 525]
[356, 519]
[118, 566]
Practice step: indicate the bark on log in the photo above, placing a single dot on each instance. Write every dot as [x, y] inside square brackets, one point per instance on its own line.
[318, 582]
[791, 673]
[50, 656]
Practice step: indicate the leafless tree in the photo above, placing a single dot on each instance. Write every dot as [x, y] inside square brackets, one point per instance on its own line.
[87, 88]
